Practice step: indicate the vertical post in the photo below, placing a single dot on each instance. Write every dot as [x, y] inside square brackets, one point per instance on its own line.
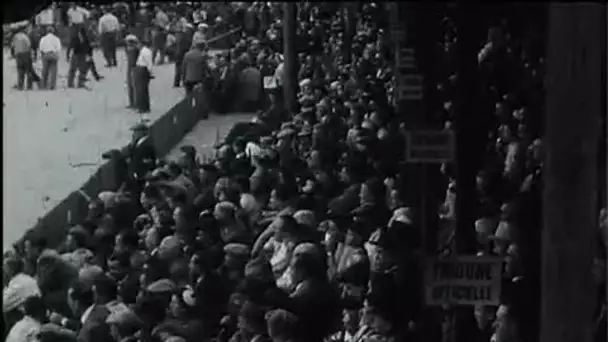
[605, 113]
[290, 86]
[573, 111]
[469, 144]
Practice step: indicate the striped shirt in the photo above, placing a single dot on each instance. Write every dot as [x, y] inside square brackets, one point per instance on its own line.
[108, 23]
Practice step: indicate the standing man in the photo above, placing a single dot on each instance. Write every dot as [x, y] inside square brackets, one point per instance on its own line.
[47, 17]
[76, 16]
[142, 74]
[108, 30]
[201, 32]
[35, 35]
[50, 48]
[22, 48]
[140, 153]
[195, 66]
[132, 51]
[182, 45]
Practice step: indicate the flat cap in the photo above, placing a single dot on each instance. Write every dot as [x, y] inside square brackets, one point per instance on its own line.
[131, 38]
[305, 131]
[140, 126]
[162, 286]
[124, 317]
[286, 133]
[237, 249]
[305, 82]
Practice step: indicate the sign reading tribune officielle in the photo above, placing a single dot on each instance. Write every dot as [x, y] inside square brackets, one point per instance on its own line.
[463, 280]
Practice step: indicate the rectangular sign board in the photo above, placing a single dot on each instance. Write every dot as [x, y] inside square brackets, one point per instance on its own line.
[409, 87]
[430, 146]
[463, 280]
[405, 58]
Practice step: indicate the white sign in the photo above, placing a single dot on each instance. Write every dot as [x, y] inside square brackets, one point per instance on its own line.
[430, 146]
[270, 82]
[463, 280]
[410, 87]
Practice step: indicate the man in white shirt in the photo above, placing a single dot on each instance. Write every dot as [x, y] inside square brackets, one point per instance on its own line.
[50, 47]
[108, 30]
[46, 17]
[142, 74]
[77, 15]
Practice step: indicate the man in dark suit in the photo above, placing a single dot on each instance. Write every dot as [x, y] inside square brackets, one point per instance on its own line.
[141, 155]
[183, 44]
[90, 313]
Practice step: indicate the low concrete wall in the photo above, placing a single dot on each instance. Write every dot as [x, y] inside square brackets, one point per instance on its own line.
[166, 132]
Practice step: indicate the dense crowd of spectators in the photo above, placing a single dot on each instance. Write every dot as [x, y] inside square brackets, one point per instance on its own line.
[299, 229]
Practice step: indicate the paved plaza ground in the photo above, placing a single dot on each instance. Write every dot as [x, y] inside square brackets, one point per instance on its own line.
[53, 140]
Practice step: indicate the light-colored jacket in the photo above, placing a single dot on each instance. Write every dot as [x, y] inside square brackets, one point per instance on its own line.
[26, 330]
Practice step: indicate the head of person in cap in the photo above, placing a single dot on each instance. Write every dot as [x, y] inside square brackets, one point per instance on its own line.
[380, 250]
[188, 157]
[251, 320]
[236, 256]
[199, 42]
[77, 237]
[139, 130]
[282, 325]
[183, 304]
[124, 323]
[131, 39]
[161, 286]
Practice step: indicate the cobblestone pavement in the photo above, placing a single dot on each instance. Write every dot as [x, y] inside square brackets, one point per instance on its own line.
[205, 134]
[53, 140]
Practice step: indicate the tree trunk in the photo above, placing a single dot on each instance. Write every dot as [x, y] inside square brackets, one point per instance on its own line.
[572, 119]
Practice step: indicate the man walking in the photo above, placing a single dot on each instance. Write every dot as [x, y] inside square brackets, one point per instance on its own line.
[108, 30]
[159, 37]
[132, 51]
[81, 52]
[142, 74]
[22, 49]
[50, 48]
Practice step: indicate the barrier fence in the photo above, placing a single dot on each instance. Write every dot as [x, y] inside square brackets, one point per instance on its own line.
[165, 132]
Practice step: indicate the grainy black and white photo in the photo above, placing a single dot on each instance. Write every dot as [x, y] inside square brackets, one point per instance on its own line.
[374, 171]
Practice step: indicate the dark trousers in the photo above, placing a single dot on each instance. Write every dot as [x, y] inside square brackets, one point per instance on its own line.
[25, 70]
[131, 87]
[189, 85]
[108, 46]
[91, 66]
[178, 77]
[158, 46]
[141, 82]
[78, 63]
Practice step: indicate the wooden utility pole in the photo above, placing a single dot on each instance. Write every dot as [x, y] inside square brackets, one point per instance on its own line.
[290, 77]
[573, 112]
[469, 131]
